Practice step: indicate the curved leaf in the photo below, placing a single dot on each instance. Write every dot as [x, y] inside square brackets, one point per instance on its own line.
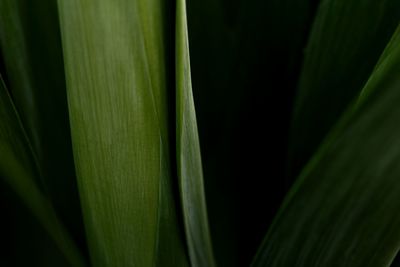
[30, 44]
[116, 84]
[346, 41]
[343, 210]
[19, 169]
[188, 153]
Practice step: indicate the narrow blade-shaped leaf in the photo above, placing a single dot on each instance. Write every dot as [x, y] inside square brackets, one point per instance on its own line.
[343, 210]
[346, 41]
[30, 45]
[188, 153]
[18, 168]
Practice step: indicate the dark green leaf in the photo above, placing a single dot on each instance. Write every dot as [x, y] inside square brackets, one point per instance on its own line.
[343, 210]
[346, 41]
[31, 47]
[18, 168]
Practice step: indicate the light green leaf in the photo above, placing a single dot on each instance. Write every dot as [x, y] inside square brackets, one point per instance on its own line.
[343, 210]
[188, 153]
[18, 168]
[115, 67]
[346, 41]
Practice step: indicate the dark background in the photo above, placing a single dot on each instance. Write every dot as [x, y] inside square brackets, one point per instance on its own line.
[245, 60]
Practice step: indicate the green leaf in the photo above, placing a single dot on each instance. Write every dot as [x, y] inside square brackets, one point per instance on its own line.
[188, 152]
[115, 67]
[346, 41]
[30, 43]
[18, 168]
[343, 210]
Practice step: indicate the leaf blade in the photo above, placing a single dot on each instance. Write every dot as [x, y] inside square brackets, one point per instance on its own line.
[19, 169]
[346, 41]
[116, 87]
[344, 203]
[188, 153]
[30, 45]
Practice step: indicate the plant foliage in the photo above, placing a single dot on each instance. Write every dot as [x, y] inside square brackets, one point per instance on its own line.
[296, 133]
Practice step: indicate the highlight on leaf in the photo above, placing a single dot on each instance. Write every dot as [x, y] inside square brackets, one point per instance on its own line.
[272, 141]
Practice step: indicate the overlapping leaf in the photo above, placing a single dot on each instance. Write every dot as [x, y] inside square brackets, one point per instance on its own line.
[345, 43]
[115, 68]
[18, 168]
[30, 45]
[343, 210]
